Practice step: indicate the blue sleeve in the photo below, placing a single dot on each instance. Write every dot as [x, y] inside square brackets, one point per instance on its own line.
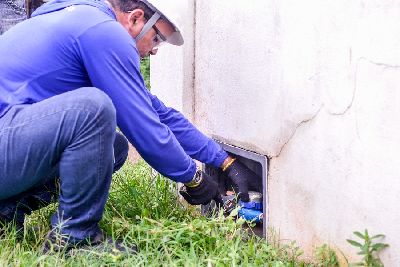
[195, 143]
[112, 62]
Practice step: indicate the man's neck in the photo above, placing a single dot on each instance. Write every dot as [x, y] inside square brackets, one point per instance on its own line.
[122, 17]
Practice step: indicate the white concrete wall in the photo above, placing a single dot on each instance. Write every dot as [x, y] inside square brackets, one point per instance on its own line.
[172, 74]
[314, 85]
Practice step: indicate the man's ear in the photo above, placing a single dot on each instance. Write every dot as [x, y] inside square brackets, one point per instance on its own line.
[135, 17]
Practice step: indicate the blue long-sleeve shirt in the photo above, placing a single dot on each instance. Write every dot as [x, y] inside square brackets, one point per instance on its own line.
[69, 44]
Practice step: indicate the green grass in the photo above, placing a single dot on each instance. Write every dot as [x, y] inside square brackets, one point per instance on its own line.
[143, 208]
[145, 70]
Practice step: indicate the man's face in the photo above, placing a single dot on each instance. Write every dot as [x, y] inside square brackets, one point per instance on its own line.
[150, 42]
[134, 21]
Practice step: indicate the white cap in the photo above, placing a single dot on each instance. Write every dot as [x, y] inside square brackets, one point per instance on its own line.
[168, 12]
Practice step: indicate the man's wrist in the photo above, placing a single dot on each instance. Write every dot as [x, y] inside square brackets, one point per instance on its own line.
[196, 179]
[227, 162]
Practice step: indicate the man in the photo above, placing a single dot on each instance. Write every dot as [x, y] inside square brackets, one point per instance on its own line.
[68, 77]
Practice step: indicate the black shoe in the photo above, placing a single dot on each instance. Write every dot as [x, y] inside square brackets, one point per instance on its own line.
[56, 242]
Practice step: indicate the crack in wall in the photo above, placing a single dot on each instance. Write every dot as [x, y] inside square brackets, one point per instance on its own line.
[359, 60]
[349, 106]
[295, 130]
[380, 64]
[353, 95]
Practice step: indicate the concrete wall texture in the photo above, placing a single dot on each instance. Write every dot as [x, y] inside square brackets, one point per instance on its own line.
[314, 85]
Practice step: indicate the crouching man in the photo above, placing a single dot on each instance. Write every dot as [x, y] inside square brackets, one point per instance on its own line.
[68, 77]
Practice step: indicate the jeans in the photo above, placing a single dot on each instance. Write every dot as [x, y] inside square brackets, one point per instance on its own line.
[71, 136]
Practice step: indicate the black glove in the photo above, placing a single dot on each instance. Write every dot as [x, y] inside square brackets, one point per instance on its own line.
[244, 179]
[203, 193]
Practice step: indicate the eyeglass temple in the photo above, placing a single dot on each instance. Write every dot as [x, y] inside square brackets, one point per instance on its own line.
[149, 24]
[163, 38]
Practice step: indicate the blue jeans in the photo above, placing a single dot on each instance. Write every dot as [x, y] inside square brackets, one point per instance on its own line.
[71, 136]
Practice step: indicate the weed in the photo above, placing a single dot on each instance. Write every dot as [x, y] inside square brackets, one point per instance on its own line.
[326, 257]
[369, 249]
[143, 208]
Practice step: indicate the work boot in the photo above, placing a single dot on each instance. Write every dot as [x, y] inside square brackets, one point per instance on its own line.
[14, 209]
[57, 242]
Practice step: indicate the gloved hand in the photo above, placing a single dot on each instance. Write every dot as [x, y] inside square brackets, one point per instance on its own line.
[244, 179]
[202, 192]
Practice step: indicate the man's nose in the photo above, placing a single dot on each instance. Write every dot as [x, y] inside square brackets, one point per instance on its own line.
[154, 51]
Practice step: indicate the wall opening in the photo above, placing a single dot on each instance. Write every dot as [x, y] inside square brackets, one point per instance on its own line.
[257, 163]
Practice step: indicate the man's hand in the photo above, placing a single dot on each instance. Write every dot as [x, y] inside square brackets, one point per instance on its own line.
[201, 191]
[243, 178]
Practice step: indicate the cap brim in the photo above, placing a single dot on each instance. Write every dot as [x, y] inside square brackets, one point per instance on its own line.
[175, 38]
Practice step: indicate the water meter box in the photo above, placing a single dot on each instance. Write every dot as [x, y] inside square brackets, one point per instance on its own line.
[255, 162]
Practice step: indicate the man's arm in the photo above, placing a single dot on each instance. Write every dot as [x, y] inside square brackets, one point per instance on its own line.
[112, 62]
[194, 142]
[204, 149]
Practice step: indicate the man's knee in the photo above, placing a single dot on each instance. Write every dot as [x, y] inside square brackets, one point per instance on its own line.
[97, 101]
